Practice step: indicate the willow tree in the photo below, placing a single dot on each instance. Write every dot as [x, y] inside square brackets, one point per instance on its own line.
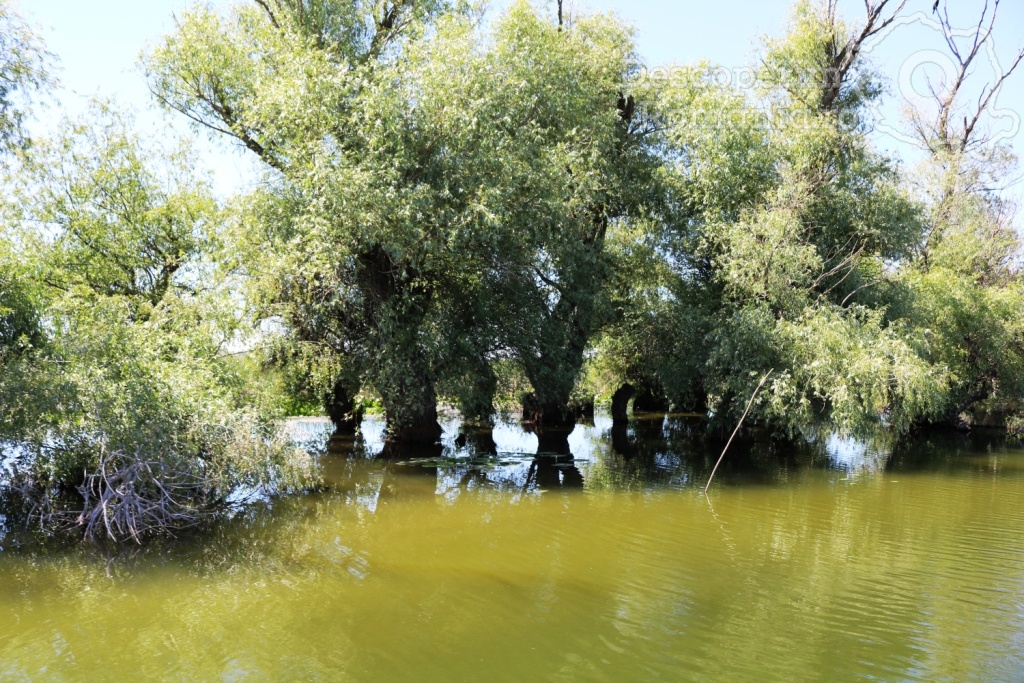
[784, 218]
[436, 196]
[23, 73]
[578, 164]
[344, 241]
[963, 283]
[128, 419]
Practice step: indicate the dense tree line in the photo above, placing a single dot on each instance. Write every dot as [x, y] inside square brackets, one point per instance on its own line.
[451, 207]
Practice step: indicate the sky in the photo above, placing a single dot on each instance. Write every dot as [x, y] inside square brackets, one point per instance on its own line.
[98, 44]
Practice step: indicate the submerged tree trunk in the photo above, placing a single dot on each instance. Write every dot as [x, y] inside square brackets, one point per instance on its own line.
[411, 450]
[405, 382]
[410, 405]
[554, 441]
[554, 466]
[647, 401]
[550, 413]
[620, 403]
[343, 410]
[569, 283]
[553, 372]
[584, 409]
[401, 370]
[479, 440]
[553, 359]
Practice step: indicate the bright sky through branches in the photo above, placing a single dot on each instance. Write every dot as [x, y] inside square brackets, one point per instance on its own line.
[98, 44]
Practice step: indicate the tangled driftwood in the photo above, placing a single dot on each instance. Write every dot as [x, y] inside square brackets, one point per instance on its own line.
[128, 497]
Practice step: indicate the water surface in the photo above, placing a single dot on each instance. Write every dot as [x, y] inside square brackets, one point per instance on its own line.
[486, 562]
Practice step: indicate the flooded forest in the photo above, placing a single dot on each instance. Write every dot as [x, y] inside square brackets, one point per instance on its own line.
[519, 357]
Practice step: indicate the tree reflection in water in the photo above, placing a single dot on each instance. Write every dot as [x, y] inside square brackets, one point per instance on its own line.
[651, 450]
[373, 470]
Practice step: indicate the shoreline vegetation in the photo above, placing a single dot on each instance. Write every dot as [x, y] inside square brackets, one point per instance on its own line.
[499, 216]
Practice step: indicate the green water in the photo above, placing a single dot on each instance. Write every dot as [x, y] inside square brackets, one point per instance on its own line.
[821, 564]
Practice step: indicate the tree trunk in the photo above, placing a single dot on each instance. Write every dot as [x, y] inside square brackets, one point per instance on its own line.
[551, 414]
[406, 387]
[620, 403]
[584, 410]
[342, 409]
[553, 441]
[647, 401]
[555, 357]
[478, 439]
[402, 371]
[411, 450]
[412, 414]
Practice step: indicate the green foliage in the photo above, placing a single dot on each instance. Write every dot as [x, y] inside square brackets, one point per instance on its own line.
[800, 69]
[102, 219]
[963, 286]
[433, 204]
[20, 330]
[777, 250]
[1015, 426]
[351, 243]
[146, 389]
[973, 330]
[847, 369]
[721, 149]
[123, 373]
[23, 72]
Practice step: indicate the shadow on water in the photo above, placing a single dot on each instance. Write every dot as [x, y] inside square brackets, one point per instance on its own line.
[812, 563]
[652, 450]
[503, 457]
[657, 450]
[506, 462]
[950, 450]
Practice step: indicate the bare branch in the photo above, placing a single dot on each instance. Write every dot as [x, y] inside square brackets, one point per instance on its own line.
[392, 22]
[958, 141]
[269, 12]
[986, 98]
[842, 59]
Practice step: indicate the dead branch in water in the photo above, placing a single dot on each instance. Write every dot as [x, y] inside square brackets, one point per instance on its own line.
[128, 497]
[738, 425]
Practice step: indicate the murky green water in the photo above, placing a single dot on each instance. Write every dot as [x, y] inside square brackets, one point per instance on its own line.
[826, 564]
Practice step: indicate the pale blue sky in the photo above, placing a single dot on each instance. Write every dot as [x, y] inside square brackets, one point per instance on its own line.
[98, 43]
